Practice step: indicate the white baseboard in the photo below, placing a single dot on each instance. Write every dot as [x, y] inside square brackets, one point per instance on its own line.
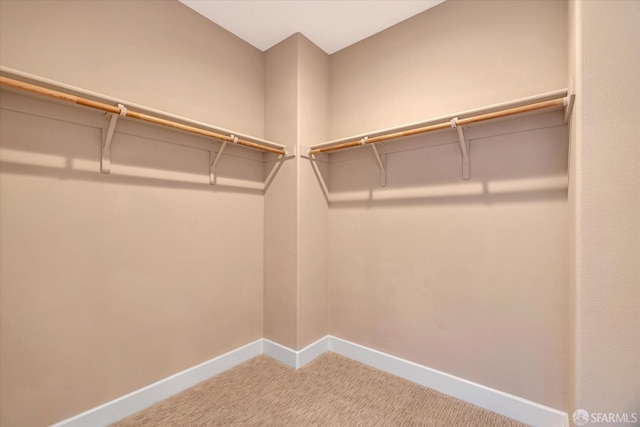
[313, 350]
[279, 352]
[138, 400]
[497, 401]
[296, 358]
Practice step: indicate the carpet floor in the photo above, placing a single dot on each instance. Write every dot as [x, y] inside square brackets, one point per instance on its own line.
[330, 391]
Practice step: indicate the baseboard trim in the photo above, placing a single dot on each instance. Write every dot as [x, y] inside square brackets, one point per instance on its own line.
[138, 400]
[312, 351]
[280, 353]
[497, 401]
[296, 358]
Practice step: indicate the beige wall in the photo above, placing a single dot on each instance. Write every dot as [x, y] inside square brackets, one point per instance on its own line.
[111, 282]
[456, 56]
[314, 209]
[573, 51]
[467, 277]
[296, 211]
[606, 185]
[159, 54]
[281, 198]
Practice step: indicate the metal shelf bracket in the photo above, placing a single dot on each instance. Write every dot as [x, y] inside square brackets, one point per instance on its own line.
[107, 137]
[215, 158]
[381, 162]
[568, 106]
[464, 147]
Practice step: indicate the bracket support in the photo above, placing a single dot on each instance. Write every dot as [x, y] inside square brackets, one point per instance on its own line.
[381, 162]
[568, 106]
[464, 148]
[214, 162]
[107, 137]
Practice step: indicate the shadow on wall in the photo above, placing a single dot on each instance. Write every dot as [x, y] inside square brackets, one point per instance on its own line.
[44, 138]
[513, 160]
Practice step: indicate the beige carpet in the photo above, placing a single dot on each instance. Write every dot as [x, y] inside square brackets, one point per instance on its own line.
[330, 391]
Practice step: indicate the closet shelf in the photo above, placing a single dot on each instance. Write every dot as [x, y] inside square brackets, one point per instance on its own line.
[556, 99]
[105, 103]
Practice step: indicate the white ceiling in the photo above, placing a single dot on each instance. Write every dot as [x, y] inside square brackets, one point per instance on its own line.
[330, 24]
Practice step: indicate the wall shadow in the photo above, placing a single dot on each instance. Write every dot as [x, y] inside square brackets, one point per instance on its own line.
[41, 138]
[518, 160]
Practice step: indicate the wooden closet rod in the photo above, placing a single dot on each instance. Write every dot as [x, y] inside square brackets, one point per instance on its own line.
[28, 87]
[440, 126]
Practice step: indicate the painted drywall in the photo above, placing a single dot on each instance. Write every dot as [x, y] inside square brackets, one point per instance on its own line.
[111, 282]
[158, 54]
[281, 197]
[572, 77]
[314, 208]
[456, 56]
[296, 210]
[470, 278]
[606, 204]
[394, 283]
